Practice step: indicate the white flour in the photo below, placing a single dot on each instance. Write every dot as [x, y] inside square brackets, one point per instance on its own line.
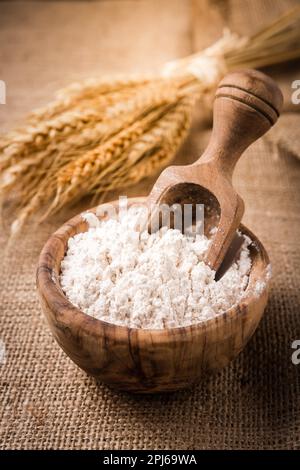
[121, 276]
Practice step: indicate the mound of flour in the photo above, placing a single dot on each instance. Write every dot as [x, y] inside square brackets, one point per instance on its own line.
[126, 277]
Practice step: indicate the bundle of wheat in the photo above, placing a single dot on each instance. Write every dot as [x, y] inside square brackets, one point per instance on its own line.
[106, 134]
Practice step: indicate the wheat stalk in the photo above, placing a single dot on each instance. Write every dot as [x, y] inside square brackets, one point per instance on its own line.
[102, 134]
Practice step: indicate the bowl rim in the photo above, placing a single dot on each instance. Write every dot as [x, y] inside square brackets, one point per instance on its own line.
[51, 293]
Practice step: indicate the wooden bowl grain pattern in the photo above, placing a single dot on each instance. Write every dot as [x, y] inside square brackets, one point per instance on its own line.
[145, 361]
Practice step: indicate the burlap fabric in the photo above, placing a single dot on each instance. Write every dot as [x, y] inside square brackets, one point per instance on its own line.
[45, 400]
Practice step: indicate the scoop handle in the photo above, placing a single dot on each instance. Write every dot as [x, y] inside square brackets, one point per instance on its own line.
[246, 105]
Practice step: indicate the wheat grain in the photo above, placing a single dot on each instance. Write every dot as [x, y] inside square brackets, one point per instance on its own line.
[99, 135]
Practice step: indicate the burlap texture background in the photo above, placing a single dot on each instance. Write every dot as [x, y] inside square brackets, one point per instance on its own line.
[45, 400]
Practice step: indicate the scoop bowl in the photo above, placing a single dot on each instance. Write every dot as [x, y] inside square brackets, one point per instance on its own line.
[144, 360]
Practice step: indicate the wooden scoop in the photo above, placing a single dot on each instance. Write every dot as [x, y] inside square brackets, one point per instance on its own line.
[247, 104]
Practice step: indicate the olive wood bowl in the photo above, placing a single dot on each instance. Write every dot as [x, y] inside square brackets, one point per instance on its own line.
[144, 360]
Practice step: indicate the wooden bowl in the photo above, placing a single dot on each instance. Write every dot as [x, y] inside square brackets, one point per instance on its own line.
[140, 360]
